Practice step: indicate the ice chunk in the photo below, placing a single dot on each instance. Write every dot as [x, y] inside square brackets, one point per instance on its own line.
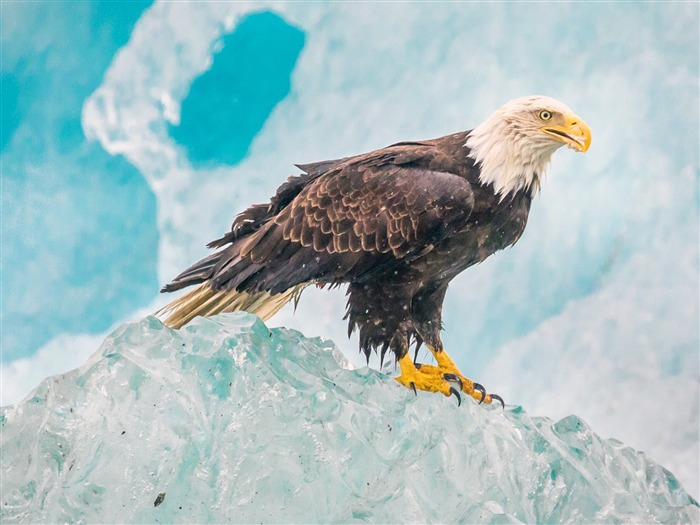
[228, 421]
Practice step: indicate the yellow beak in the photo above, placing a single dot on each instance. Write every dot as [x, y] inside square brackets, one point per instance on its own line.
[574, 132]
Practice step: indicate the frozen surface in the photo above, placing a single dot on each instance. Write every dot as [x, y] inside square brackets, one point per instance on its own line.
[228, 421]
[594, 312]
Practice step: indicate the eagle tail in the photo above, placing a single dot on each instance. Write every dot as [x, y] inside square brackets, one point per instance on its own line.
[205, 301]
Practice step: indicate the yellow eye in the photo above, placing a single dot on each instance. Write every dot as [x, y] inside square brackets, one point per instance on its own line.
[545, 115]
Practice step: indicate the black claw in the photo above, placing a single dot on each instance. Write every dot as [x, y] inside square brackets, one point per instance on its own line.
[499, 398]
[456, 394]
[417, 365]
[454, 378]
[481, 389]
[413, 386]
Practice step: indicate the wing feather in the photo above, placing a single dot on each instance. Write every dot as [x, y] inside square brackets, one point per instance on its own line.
[342, 220]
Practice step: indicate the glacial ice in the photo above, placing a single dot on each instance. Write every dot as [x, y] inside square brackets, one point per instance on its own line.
[600, 294]
[70, 211]
[229, 421]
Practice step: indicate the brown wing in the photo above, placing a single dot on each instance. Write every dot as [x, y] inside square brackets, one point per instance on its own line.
[340, 221]
[354, 220]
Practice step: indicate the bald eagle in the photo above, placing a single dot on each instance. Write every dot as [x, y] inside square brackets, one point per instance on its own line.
[396, 225]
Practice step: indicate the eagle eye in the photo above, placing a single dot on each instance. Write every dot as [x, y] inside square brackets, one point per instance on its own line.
[545, 115]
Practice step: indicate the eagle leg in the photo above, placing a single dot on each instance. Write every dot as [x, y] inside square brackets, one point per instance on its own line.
[441, 377]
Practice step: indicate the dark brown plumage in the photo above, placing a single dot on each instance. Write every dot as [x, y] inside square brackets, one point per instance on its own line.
[396, 224]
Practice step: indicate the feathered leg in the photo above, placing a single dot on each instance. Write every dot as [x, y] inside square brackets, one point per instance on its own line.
[427, 322]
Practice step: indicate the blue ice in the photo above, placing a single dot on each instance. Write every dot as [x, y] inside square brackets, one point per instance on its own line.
[79, 229]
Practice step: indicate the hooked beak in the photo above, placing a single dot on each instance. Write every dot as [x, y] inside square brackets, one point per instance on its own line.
[574, 132]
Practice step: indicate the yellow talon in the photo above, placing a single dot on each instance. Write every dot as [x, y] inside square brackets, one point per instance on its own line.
[432, 378]
[430, 381]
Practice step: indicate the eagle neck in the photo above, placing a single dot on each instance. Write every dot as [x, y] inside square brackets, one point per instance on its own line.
[508, 159]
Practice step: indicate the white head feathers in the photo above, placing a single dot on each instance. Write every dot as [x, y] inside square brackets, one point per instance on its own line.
[511, 147]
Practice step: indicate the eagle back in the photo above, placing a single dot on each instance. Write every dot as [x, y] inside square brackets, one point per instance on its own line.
[255, 216]
[446, 154]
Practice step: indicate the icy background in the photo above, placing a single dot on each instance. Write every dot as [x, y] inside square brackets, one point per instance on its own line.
[227, 421]
[132, 133]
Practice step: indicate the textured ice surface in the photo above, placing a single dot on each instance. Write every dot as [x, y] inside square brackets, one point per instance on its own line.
[228, 421]
[595, 310]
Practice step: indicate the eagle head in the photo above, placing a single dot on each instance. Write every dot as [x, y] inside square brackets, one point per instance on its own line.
[514, 145]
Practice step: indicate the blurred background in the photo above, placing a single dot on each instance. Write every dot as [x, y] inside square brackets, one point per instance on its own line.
[133, 132]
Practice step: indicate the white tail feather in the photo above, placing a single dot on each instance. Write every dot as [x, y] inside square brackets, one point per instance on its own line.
[205, 301]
